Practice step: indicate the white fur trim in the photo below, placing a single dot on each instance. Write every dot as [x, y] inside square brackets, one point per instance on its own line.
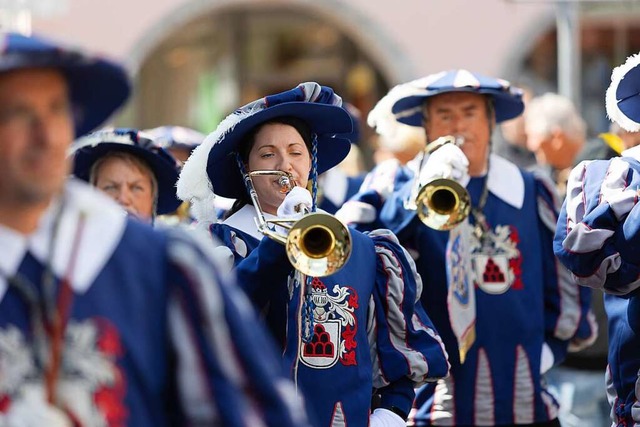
[613, 111]
[194, 182]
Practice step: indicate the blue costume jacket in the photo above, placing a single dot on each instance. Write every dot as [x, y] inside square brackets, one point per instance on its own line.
[523, 299]
[598, 239]
[368, 331]
[152, 335]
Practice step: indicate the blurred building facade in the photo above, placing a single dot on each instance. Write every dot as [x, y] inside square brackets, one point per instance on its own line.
[195, 60]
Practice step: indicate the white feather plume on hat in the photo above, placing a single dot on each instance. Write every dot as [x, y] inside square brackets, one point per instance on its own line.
[613, 110]
[194, 185]
[381, 117]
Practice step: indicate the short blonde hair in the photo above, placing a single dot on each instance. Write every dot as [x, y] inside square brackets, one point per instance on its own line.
[551, 112]
[131, 160]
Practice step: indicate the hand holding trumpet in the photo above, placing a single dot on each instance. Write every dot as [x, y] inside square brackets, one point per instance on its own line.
[438, 195]
[446, 161]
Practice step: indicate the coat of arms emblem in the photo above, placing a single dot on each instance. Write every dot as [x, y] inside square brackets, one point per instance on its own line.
[334, 327]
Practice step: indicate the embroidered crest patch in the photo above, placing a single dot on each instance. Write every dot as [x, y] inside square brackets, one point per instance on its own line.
[89, 378]
[334, 327]
[496, 261]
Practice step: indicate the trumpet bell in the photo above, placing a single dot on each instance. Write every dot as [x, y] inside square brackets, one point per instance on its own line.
[442, 204]
[318, 244]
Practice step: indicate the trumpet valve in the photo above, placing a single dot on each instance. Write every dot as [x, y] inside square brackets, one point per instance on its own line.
[285, 183]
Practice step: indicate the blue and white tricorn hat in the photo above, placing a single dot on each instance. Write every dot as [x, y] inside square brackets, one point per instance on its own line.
[176, 137]
[212, 166]
[406, 100]
[88, 149]
[97, 87]
[623, 95]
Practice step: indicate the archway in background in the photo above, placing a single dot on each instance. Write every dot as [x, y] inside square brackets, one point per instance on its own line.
[205, 63]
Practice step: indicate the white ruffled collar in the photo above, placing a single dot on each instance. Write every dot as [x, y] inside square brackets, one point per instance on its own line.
[506, 181]
[103, 227]
[245, 221]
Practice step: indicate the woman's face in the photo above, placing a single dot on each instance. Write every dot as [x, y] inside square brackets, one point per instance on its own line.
[127, 185]
[278, 147]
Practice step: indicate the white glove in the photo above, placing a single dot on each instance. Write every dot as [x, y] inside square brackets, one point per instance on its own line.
[32, 410]
[382, 178]
[385, 418]
[295, 203]
[355, 212]
[546, 358]
[447, 162]
[224, 257]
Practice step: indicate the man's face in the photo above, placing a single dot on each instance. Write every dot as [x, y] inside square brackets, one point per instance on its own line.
[36, 129]
[461, 114]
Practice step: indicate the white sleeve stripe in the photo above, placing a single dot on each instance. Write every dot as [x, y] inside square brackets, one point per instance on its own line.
[610, 264]
[583, 239]
[614, 189]
[570, 307]
[195, 395]
[598, 279]
[547, 214]
[418, 366]
[575, 201]
[210, 301]
[418, 325]
[379, 380]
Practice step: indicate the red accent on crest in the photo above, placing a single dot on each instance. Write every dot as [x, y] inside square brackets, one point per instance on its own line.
[320, 345]
[349, 337]
[109, 340]
[110, 399]
[515, 264]
[350, 344]
[317, 284]
[349, 359]
[492, 273]
[353, 298]
[5, 402]
[110, 402]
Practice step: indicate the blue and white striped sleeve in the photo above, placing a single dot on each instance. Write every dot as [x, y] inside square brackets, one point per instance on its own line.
[228, 371]
[598, 231]
[407, 351]
[569, 321]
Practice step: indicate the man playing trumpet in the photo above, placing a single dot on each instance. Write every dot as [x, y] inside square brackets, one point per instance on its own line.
[504, 308]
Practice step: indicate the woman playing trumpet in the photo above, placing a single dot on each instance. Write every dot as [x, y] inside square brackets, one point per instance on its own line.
[344, 334]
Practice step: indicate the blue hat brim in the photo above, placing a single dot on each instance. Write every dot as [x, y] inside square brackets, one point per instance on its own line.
[628, 94]
[324, 120]
[506, 105]
[97, 87]
[165, 172]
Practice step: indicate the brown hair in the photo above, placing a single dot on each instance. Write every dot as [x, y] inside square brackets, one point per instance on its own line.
[131, 160]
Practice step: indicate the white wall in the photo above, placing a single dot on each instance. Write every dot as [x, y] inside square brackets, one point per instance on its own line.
[408, 38]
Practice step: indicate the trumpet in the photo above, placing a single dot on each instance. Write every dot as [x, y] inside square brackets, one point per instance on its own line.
[317, 244]
[441, 203]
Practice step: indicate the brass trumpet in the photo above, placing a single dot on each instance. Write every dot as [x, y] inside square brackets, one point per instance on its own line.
[317, 244]
[441, 203]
